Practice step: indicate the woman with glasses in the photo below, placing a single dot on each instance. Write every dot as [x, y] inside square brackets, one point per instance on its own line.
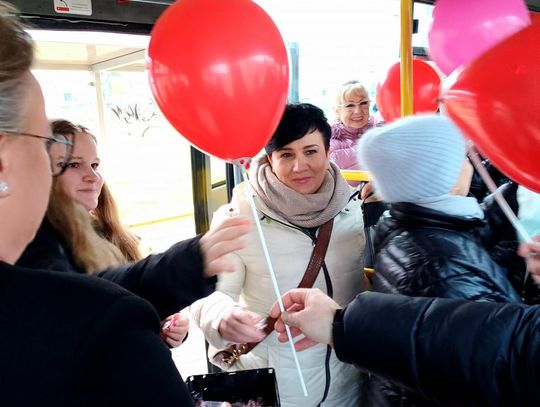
[352, 120]
[66, 339]
[82, 231]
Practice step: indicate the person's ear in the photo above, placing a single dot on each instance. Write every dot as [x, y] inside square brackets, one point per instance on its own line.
[4, 185]
[269, 157]
[463, 182]
[327, 153]
[3, 152]
[337, 111]
[328, 159]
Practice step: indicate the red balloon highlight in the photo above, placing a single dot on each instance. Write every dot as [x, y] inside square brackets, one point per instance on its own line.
[219, 73]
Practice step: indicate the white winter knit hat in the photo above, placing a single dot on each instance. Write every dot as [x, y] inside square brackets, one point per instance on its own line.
[413, 158]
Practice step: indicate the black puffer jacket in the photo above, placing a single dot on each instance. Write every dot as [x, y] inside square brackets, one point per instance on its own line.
[422, 252]
[455, 352]
[501, 240]
[478, 187]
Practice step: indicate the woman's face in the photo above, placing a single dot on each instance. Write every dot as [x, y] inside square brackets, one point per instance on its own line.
[354, 111]
[82, 180]
[26, 167]
[302, 164]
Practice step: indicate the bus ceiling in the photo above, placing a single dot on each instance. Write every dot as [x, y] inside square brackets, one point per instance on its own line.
[122, 16]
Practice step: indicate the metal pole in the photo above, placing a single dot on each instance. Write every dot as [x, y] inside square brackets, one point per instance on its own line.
[406, 58]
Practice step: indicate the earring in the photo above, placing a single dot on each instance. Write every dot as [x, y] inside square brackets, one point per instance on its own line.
[3, 187]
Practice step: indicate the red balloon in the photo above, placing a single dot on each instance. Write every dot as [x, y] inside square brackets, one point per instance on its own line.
[219, 73]
[495, 100]
[535, 18]
[426, 88]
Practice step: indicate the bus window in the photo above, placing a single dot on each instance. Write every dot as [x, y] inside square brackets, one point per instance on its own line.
[422, 14]
[336, 42]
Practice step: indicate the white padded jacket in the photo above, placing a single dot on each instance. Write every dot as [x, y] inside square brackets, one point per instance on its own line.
[250, 286]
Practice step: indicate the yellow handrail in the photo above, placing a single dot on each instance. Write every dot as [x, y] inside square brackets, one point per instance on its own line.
[353, 175]
[160, 220]
[406, 65]
[369, 273]
[349, 175]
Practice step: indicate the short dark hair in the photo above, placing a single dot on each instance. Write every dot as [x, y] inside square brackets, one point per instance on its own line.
[298, 120]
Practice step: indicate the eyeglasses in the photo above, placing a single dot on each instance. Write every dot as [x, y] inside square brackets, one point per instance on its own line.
[59, 155]
[351, 106]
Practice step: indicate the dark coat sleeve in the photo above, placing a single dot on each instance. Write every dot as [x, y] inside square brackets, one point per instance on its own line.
[461, 280]
[451, 351]
[48, 251]
[124, 362]
[170, 281]
[499, 235]
[498, 227]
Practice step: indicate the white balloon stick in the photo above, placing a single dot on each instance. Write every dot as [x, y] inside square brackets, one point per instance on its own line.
[272, 275]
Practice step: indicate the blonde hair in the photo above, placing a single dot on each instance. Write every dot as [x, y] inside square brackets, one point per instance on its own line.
[348, 89]
[97, 238]
[107, 220]
[91, 252]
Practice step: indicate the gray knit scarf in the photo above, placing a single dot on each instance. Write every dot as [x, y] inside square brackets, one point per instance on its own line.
[307, 211]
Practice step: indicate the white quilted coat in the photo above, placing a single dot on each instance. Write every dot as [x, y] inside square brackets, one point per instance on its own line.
[251, 286]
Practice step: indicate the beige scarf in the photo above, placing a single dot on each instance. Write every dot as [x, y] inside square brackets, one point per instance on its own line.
[307, 211]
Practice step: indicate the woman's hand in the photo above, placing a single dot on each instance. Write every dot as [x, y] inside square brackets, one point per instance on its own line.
[531, 252]
[239, 325]
[226, 238]
[367, 193]
[174, 329]
[310, 312]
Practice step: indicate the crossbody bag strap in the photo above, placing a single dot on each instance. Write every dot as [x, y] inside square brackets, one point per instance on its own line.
[233, 353]
[317, 256]
[312, 270]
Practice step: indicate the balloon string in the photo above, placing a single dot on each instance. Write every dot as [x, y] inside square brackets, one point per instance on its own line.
[516, 223]
[273, 276]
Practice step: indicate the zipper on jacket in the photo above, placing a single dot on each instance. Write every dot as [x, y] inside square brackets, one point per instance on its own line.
[312, 234]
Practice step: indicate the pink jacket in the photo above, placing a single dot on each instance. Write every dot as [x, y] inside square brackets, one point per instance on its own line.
[343, 143]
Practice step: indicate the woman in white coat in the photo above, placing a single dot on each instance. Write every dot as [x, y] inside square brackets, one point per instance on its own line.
[296, 190]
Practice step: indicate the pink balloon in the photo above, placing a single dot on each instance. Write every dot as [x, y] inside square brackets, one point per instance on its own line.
[462, 30]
